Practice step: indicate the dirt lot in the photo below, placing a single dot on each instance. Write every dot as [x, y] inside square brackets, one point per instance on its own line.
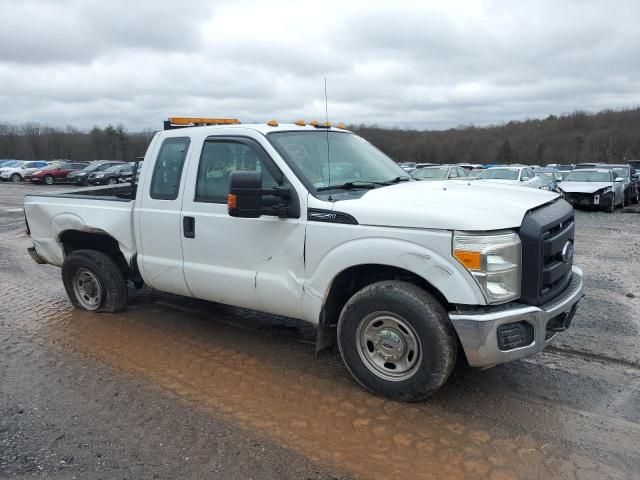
[177, 388]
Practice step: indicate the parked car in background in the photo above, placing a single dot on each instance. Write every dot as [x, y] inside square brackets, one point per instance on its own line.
[470, 166]
[111, 175]
[18, 172]
[521, 176]
[441, 172]
[596, 187]
[631, 193]
[423, 165]
[580, 166]
[5, 161]
[80, 177]
[549, 178]
[29, 174]
[408, 167]
[56, 173]
[561, 166]
[564, 173]
[634, 164]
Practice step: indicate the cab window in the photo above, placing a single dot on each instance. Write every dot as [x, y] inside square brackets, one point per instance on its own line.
[219, 159]
[167, 171]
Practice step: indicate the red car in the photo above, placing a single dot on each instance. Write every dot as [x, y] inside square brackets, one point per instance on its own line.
[56, 173]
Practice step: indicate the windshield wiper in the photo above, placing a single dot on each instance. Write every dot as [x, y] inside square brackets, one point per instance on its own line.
[362, 184]
[349, 186]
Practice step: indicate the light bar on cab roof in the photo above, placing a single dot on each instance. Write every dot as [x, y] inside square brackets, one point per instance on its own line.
[178, 122]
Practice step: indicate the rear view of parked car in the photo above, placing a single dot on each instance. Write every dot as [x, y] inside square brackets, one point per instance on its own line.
[443, 172]
[18, 171]
[520, 176]
[111, 175]
[598, 188]
[56, 173]
[80, 177]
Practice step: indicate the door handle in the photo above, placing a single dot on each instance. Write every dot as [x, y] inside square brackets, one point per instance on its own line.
[189, 227]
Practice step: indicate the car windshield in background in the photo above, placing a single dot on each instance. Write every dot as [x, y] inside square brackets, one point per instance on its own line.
[354, 162]
[13, 163]
[431, 173]
[499, 174]
[587, 176]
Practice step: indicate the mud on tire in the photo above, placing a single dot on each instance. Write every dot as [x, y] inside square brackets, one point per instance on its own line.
[416, 320]
[111, 280]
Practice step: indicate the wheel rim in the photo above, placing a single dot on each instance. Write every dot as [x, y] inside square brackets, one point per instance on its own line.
[87, 288]
[112, 181]
[15, 178]
[388, 346]
[48, 180]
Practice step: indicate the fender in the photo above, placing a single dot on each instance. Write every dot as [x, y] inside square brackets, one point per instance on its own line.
[445, 274]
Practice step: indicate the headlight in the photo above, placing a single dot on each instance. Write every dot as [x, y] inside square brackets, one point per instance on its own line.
[100, 175]
[494, 261]
[606, 190]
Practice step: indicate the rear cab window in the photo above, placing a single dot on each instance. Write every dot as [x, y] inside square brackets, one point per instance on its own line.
[167, 171]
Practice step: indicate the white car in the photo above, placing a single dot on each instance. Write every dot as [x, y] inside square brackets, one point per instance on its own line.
[17, 171]
[399, 273]
[442, 172]
[594, 187]
[520, 176]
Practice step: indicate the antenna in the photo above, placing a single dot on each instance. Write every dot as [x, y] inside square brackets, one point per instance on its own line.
[326, 115]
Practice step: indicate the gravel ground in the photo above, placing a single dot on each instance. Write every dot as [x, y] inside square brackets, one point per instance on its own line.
[178, 388]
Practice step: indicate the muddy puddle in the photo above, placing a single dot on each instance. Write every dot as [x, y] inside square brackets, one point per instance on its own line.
[273, 384]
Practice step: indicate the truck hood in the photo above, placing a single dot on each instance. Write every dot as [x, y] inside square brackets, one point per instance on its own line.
[448, 205]
[583, 187]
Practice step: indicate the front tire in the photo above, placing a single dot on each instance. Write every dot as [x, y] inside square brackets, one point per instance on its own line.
[94, 282]
[16, 178]
[396, 340]
[48, 179]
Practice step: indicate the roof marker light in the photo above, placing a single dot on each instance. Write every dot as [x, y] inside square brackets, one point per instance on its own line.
[301, 123]
[341, 125]
[272, 123]
[315, 123]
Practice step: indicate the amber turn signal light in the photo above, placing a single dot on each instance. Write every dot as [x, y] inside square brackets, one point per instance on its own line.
[232, 201]
[471, 260]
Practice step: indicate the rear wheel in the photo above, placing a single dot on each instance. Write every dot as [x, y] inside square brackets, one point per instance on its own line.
[48, 179]
[15, 178]
[396, 340]
[94, 282]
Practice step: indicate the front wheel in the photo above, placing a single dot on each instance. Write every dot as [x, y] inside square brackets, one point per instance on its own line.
[15, 178]
[48, 179]
[396, 340]
[111, 181]
[94, 282]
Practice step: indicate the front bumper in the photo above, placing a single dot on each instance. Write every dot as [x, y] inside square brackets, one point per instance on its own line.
[590, 200]
[478, 329]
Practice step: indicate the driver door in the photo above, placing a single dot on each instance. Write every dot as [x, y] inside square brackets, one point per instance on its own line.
[255, 263]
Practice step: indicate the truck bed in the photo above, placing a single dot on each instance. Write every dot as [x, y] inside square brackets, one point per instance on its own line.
[99, 210]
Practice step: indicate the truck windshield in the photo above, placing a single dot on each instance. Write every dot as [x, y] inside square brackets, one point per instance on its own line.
[336, 159]
[588, 176]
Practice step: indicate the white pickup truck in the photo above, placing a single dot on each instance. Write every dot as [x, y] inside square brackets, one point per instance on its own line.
[314, 223]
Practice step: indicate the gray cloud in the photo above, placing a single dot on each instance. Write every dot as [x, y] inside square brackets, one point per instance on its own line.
[418, 64]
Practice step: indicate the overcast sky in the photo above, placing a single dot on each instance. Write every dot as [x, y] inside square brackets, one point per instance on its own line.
[421, 64]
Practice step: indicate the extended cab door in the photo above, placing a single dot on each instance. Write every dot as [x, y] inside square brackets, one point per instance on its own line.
[158, 221]
[250, 262]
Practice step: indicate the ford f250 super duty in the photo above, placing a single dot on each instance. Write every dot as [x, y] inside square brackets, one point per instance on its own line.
[313, 222]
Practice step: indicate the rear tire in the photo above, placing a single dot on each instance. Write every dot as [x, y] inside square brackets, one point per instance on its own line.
[48, 179]
[94, 282]
[396, 340]
[15, 178]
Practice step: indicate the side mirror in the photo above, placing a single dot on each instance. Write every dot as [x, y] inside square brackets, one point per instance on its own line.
[619, 179]
[245, 197]
[245, 194]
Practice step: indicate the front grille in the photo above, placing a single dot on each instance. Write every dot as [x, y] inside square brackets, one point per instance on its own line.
[544, 233]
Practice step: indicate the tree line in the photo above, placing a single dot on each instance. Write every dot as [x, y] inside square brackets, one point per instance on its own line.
[608, 136]
[32, 141]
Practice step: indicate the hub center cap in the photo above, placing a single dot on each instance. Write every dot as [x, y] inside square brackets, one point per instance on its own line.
[390, 344]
